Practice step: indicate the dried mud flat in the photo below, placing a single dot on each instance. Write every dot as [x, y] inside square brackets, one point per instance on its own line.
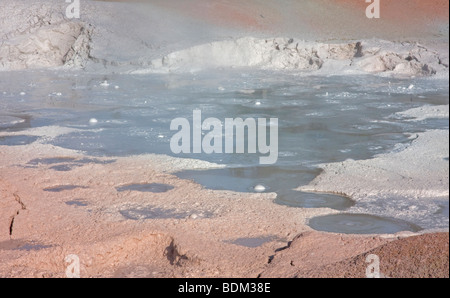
[130, 217]
[421, 256]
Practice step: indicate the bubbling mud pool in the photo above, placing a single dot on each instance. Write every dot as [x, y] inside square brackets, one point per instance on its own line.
[322, 119]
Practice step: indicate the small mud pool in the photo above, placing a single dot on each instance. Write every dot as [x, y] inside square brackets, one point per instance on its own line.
[77, 203]
[314, 200]
[253, 242]
[360, 224]
[152, 187]
[17, 140]
[61, 188]
[280, 180]
[65, 164]
[151, 212]
[22, 245]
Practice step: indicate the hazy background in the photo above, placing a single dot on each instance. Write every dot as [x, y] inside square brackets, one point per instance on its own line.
[319, 19]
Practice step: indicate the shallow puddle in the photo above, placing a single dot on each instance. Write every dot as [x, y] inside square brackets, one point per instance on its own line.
[17, 140]
[22, 245]
[280, 180]
[61, 188]
[244, 179]
[65, 164]
[253, 241]
[63, 168]
[49, 161]
[314, 200]
[77, 203]
[360, 224]
[152, 187]
[150, 212]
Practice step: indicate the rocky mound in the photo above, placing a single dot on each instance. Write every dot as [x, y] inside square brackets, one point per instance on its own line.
[424, 256]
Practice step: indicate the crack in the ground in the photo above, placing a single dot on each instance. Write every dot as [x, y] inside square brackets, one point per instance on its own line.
[22, 207]
[173, 255]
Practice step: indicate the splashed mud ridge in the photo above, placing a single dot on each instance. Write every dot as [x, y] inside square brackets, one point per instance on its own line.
[292, 54]
[41, 36]
[45, 38]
